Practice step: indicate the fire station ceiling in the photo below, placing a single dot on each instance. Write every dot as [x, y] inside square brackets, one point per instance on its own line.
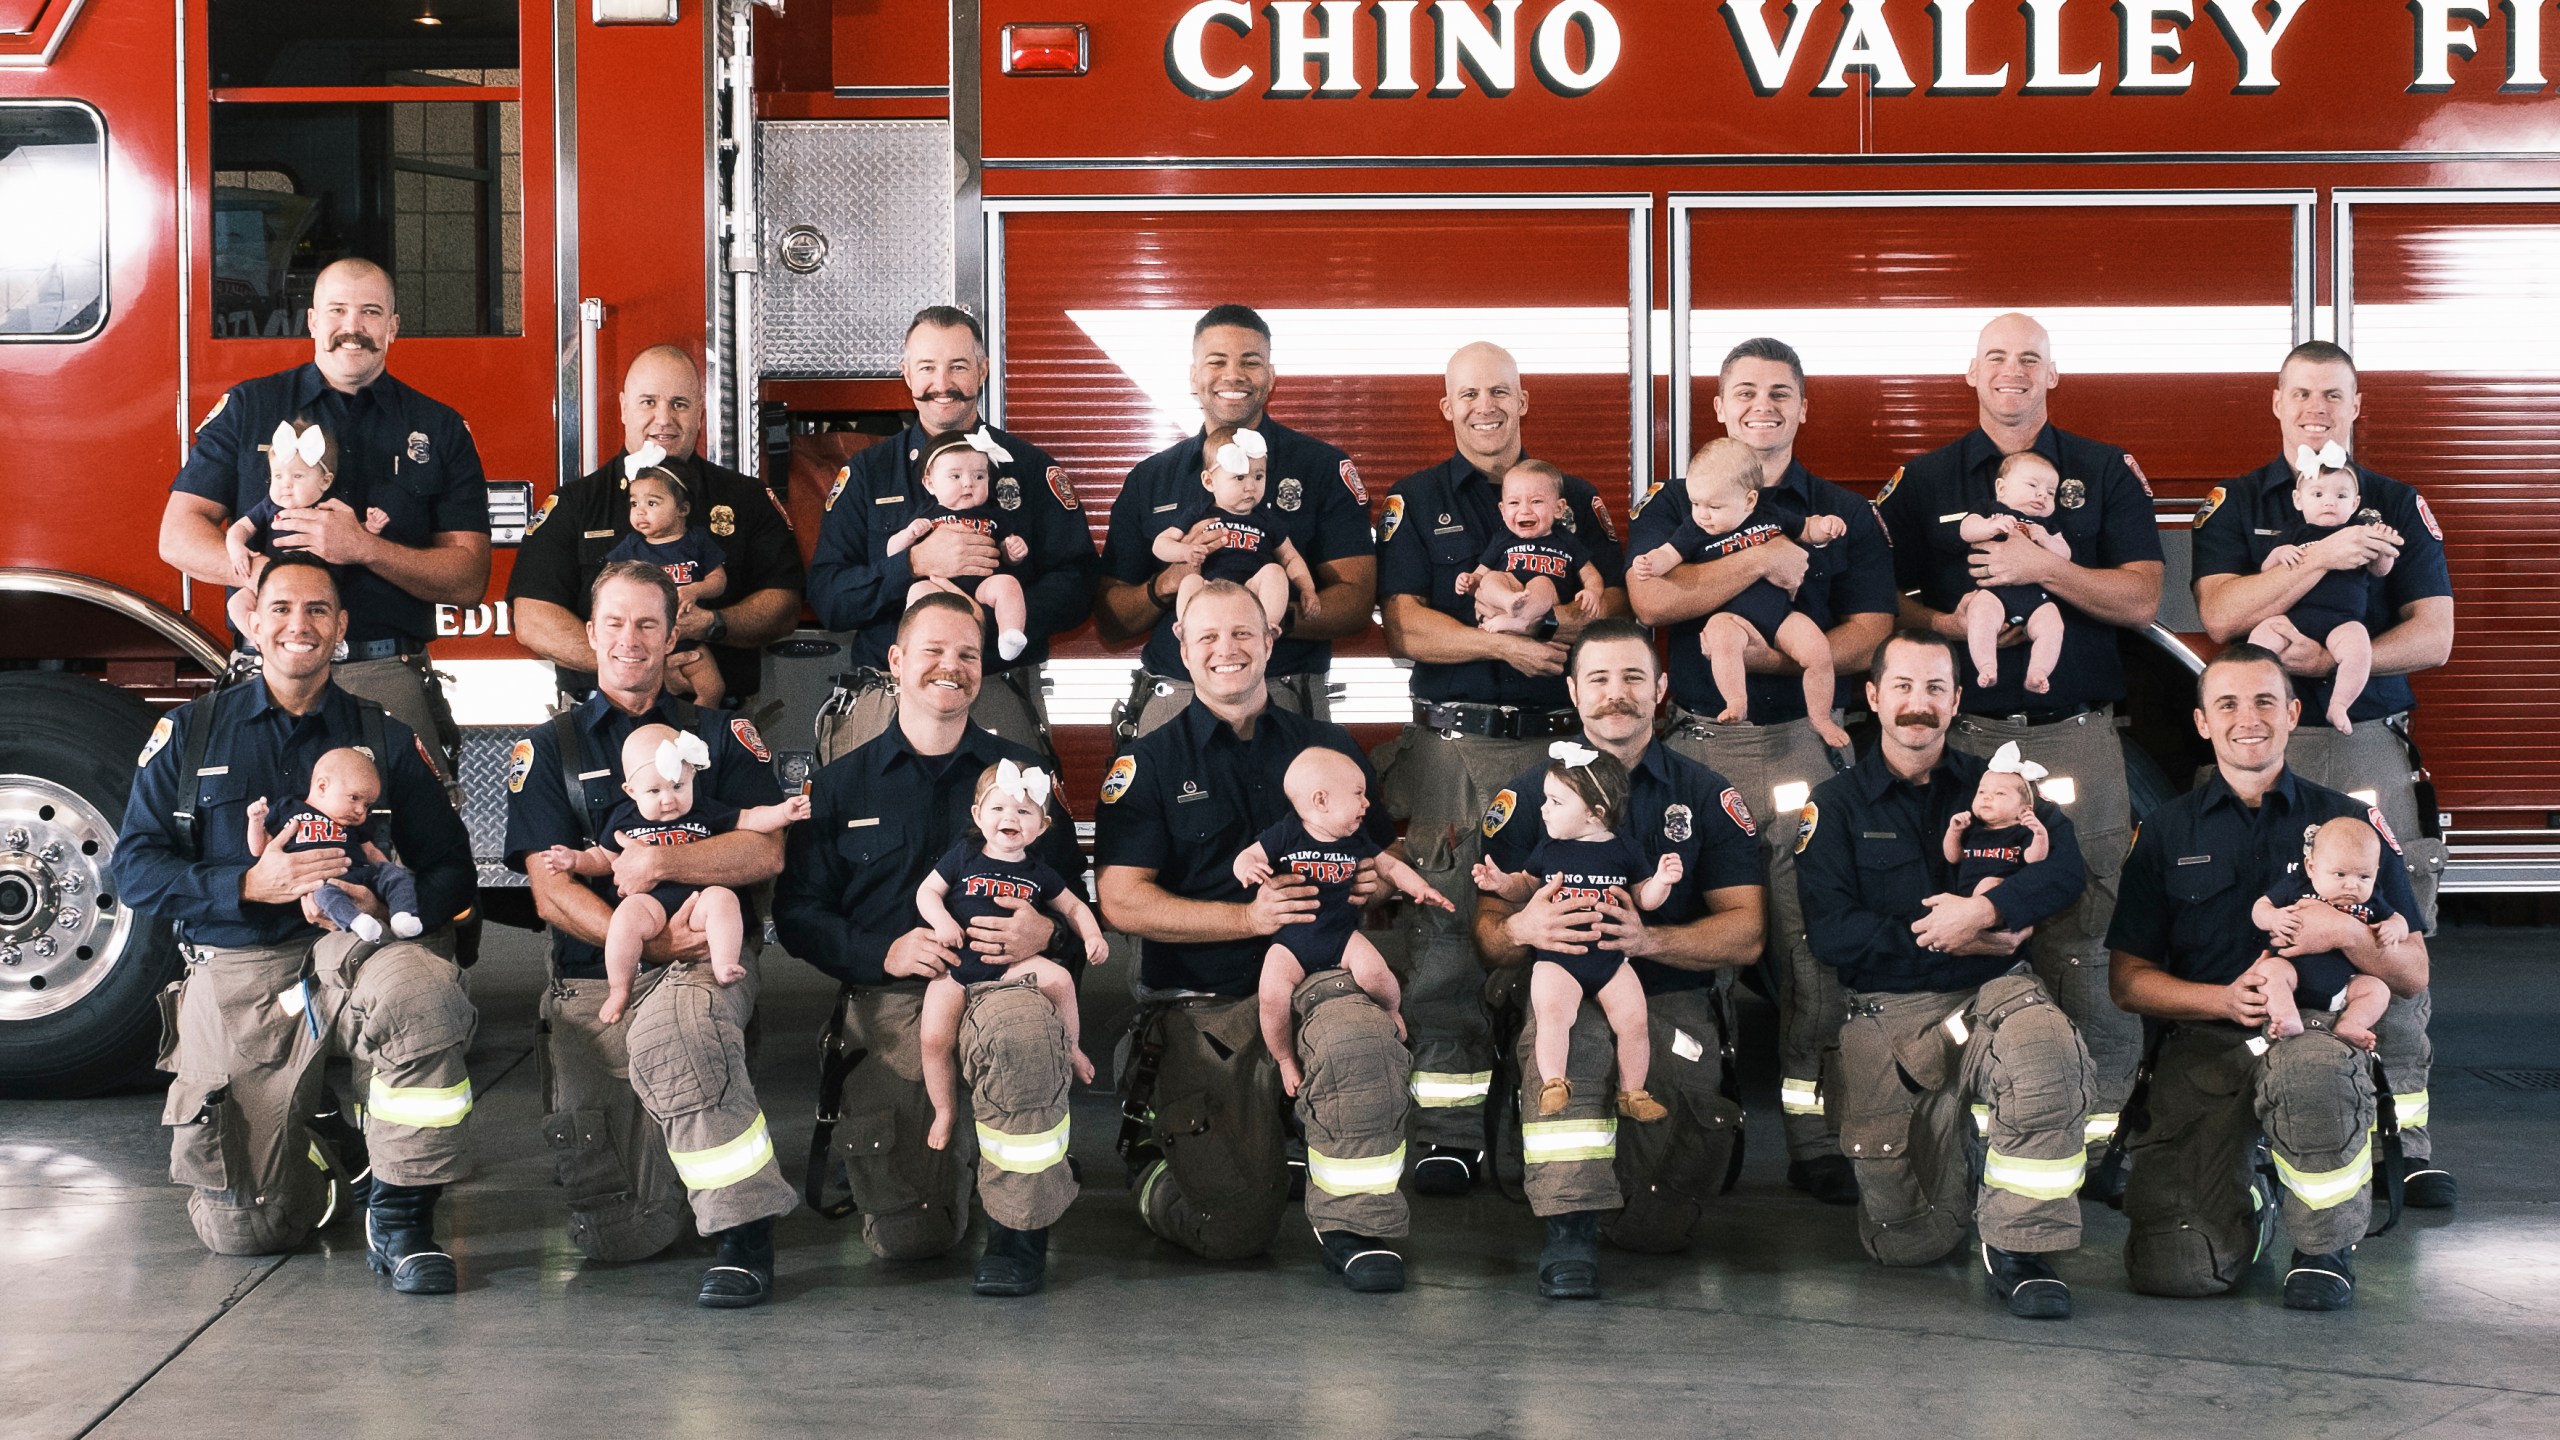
[358, 42]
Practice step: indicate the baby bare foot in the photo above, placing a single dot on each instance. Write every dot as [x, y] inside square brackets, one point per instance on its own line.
[1985, 679]
[2038, 684]
[2284, 1027]
[2339, 722]
[1290, 1078]
[1083, 1067]
[939, 1137]
[611, 1010]
[2356, 1035]
[1832, 735]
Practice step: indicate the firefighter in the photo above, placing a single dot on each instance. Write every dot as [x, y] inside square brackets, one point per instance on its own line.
[1485, 704]
[2411, 622]
[656, 1109]
[1324, 511]
[2182, 939]
[269, 996]
[1208, 1134]
[1776, 759]
[1582, 1164]
[402, 456]
[854, 587]
[881, 815]
[2111, 582]
[1940, 1009]
[566, 545]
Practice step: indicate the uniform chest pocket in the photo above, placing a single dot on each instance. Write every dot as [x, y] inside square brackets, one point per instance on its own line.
[1898, 879]
[882, 840]
[407, 499]
[2209, 903]
[594, 549]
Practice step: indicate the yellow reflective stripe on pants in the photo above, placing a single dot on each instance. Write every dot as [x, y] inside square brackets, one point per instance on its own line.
[2035, 1179]
[1023, 1154]
[1374, 1175]
[1545, 1142]
[722, 1166]
[2326, 1188]
[2410, 1109]
[1799, 1097]
[1437, 1090]
[1981, 1119]
[421, 1107]
[2101, 1129]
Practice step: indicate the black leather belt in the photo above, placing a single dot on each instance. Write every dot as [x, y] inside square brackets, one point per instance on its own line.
[383, 649]
[1500, 722]
[2051, 716]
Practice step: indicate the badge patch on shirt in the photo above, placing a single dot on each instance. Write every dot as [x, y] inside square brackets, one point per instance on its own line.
[1116, 783]
[1063, 488]
[724, 521]
[2310, 837]
[519, 765]
[1351, 481]
[1292, 494]
[417, 447]
[2074, 493]
[541, 515]
[1394, 518]
[2370, 516]
[2382, 827]
[2427, 517]
[2138, 477]
[1675, 823]
[844, 476]
[1565, 518]
[423, 757]
[2212, 502]
[1811, 819]
[1647, 498]
[1008, 492]
[1740, 813]
[745, 730]
[1600, 512]
[1498, 814]
[152, 746]
[1887, 492]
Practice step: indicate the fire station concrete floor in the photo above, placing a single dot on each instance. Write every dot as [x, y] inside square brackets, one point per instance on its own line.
[116, 1323]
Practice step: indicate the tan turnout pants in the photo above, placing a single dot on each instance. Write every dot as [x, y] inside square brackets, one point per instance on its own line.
[1010, 703]
[1659, 1178]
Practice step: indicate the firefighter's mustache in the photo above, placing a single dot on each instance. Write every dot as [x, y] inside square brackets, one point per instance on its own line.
[349, 337]
[1922, 718]
[1618, 707]
[946, 395]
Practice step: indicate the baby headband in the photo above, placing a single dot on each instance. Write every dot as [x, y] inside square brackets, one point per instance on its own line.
[1574, 756]
[648, 456]
[1030, 785]
[1236, 457]
[2307, 461]
[310, 444]
[686, 749]
[2007, 762]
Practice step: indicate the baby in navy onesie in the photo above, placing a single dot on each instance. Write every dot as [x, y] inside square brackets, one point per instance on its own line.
[975, 876]
[338, 815]
[658, 762]
[302, 470]
[2332, 612]
[1323, 844]
[2000, 835]
[1586, 802]
[2338, 871]
[1243, 541]
[662, 534]
[959, 472]
[2022, 495]
[1728, 514]
[1532, 569]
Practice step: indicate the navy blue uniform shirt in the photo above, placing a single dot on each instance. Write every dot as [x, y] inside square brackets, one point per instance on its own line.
[1674, 805]
[1852, 575]
[398, 452]
[2202, 860]
[1871, 848]
[1322, 509]
[2246, 518]
[259, 750]
[879, 819]
[688, 559]
[1185, 801]
[539, 814]
[854, 586]
[1437, 525]
[2102, 511]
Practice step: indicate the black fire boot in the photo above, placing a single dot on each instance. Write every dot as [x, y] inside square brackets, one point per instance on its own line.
[2028, 1283]
[1830, 1179]
[1016, 1262]
[741, 1274]
[1365, 1265]
[2321, 1282]
[1445, 1170]
[1569, 1268]
[400, 1240]
[2429, 1189]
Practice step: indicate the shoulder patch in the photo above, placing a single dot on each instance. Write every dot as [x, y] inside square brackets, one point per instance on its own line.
[159, 739]
[519, 765]
[843, 475]
[1600, 512]
[745, 730]
[1740, 813]
[2138, 477]
[1351, 482]
[1806, 824]
[1393, 521]
[1887, 492]
[542, 514]
[423, 757]
[1116, 782]
[2427, 517]
[1063, 488]
[2212, 502]
[1498, 814]
[216, 410]
[2382, 828]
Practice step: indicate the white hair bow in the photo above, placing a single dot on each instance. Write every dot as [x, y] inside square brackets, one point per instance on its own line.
[686, 749]
[2007, 761]
[1031, 786]
[1574, 756]
[2307, 461]
[985, 444]
[1236, 457]
[646, 457]
[309, 444]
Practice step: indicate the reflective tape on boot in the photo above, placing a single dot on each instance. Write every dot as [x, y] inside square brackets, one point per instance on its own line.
[2035, 1179]
[2325, 1189]
[1372, 1175]
[1441, 1090]
[1547, 1142]
[421, 1107]
[725, 1165]
[1799, 1097]
[1023, 1154]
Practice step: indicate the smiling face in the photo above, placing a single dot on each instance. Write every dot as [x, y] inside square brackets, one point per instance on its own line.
[1484, 403]
[344, 786]
[632, 636]
[298, 621]
[2027, 484]
[1226, 643]
[657, 508]
[661, 403]
[2001, 800]
[1914, 695]
[936, 661]
[2327, 497]
[2246, 708]
[958, 479]
[1761, 404]
[1008, 822]
[945, 370]
[352, 323]
[1616, 687]
[1231, 375]
[293, 482]
[2316, 402]
[1530, 500]
[2012, 372]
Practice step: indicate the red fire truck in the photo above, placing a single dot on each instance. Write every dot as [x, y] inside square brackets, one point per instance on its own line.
[1614, 189]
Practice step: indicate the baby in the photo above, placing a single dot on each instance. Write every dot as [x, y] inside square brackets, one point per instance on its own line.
[2327, 494]
[1728, 514]
[302, 464]
[338, 815]
[959, 472]
[2338, 870]
[1586, 800]
[658, 762]
[1011, 811]
[2022, 494]
[2000, 835]
[1323, 844]
[1242, 539]
[662, 534]
[1525, 575]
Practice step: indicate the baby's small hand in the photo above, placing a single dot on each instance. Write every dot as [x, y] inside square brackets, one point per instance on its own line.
[1096, 951]
[1588, 602]
[949, 935]
[1016, 549]
[1643, 568]
[1958, 822]
[1310, 604]
[1670, 869]
[2284, 557]
[1252, 868]
[2028, 819]
[796, 809]
[1823, 529]
[376, 521]
[2391, 931]
[558, 860]
[1467, 583]
[258, 811]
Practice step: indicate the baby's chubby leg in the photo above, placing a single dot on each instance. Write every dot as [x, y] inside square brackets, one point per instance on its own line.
[1183, 592]
[2044, 646]
[1270, 585]
[2351, 645]
[2275, 633]
[1622, 1000]
[1059, 988]
[1555, 997]
[938, 1044]
[1280, 976]
[1499, 599]
[2367, 998]
[1802, 641]
[1537, 599]
[716, 915]
[1369, 969]
[2284, 1018]
[635, 923]
[1728, 640]
[1980, 612]
[1002, 595]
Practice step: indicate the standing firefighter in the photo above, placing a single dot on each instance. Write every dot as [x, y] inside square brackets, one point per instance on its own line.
[269, 997]
[2184, 946]
[1941, 1009]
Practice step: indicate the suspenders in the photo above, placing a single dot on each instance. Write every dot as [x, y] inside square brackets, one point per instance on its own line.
[577, 762]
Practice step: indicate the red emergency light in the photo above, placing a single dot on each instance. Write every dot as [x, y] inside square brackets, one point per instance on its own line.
[1045, 49]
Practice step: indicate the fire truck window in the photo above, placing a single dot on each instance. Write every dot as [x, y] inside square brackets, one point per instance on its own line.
[53, 223]
[267, 43]
[434, 190]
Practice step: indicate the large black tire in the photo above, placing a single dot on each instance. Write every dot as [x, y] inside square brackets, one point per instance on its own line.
[66, 765]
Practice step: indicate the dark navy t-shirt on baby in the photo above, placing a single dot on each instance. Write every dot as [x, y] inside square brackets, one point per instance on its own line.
[979, 883]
